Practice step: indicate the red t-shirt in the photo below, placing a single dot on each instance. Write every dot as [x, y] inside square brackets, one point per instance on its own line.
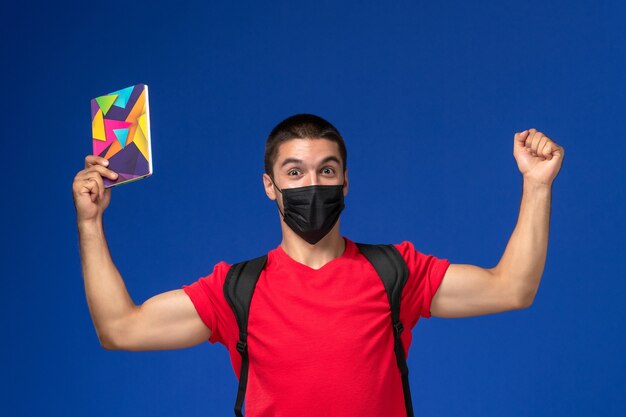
[320, 341]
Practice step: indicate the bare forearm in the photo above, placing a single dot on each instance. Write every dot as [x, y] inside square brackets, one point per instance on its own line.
[524, 258]
[107, 296]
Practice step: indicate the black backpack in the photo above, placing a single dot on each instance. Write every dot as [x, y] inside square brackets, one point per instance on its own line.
[392, 270]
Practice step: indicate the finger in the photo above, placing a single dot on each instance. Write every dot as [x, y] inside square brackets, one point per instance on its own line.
[98, 189]
[550, 149]
[529, 138]
[539, 143]
[541, 147]
[519, 141]
[520, 137]
[80, 185]
[91, 160]
[90, 185]
[95, 159]
[105, 172]
[545, 148]
[535, 142]
[558, 151]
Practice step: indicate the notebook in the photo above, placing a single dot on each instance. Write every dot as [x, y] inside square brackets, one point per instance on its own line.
[120, 125]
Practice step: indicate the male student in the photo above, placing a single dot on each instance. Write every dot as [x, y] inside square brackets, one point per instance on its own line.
[319, 336]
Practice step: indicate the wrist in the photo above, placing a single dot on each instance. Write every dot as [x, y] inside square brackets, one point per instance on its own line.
[91, 225]
[534, 186]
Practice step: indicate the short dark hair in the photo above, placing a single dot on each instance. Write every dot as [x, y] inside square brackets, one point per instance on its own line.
[301, 126]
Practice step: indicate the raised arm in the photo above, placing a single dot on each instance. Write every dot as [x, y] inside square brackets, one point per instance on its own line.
[469, 290]
[166, 321]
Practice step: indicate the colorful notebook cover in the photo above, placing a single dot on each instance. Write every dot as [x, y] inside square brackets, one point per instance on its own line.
[120, 125]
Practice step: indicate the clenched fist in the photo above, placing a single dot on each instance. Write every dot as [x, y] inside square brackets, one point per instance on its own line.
[90, 196]
[538, 157]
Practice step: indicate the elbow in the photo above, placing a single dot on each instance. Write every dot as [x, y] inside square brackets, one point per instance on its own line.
[524, 303]
[115, 334]
[107, 342]
[110, 337]
[107, 346]
[525, 300]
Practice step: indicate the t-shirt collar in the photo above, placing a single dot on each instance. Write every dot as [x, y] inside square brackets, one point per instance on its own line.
[283, 258]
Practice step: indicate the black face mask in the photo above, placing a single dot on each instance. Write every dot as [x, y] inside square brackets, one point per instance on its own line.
[312, 211]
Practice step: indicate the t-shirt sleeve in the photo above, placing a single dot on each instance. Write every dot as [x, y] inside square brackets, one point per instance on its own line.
[425, 275]
[207, 296]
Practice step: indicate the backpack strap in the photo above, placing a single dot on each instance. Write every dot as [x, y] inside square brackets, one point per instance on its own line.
[393, 271]
[238, 288]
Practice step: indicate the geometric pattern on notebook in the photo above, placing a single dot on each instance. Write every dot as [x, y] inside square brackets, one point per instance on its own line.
[119, 132]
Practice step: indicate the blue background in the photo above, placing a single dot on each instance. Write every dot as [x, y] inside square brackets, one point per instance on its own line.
[427, 95]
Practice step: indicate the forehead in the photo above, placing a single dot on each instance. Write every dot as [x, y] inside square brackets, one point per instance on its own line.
[307, 150]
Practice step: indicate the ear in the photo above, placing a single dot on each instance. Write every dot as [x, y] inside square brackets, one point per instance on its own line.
[345, 184]
[270, 190]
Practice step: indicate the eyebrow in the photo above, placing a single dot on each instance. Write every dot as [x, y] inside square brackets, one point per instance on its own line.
[300, 161]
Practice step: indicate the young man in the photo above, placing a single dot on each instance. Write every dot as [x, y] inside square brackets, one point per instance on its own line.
[319, 335]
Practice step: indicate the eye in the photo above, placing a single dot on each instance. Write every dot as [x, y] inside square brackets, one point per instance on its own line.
[328, 170]
[293, 172]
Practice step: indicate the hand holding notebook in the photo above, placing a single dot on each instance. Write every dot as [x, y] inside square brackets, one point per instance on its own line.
[120, 125]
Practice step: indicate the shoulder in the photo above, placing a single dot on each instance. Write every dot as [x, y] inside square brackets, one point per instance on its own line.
[419, 261]
[405, 248]
[408, 249]
[215, 278]
[221, 269]
[409, 252]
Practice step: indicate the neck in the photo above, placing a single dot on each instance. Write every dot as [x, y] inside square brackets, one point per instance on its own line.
[315, 256]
